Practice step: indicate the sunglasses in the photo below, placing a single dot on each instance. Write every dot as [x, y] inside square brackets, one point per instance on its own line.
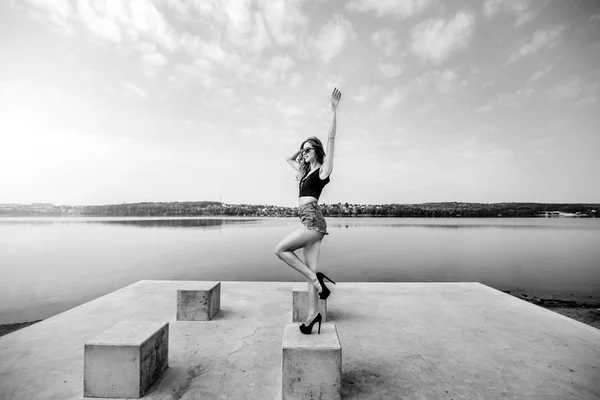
[307, 150]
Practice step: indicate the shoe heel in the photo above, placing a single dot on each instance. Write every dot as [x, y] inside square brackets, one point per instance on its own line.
[326, 277]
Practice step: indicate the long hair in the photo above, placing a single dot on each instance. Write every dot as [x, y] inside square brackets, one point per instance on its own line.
[319, 152]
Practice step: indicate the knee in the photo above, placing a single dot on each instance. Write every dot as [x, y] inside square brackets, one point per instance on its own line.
[278, 251]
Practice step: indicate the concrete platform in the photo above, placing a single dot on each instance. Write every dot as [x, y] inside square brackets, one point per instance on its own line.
[401, 341]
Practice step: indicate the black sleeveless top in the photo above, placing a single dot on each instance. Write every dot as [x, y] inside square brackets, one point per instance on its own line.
[312, 185]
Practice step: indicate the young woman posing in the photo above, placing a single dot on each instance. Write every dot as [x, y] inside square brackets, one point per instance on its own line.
[314, 169]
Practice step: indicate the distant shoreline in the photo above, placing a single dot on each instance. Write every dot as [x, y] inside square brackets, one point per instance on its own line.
[585, 312]
[217, 208]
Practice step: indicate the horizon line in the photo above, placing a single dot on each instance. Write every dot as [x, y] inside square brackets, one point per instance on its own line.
[323, 203]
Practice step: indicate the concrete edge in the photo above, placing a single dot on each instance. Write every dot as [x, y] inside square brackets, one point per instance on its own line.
[563, 317]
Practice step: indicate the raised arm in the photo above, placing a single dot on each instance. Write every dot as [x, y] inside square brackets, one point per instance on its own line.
[328, 162]
[293, 162]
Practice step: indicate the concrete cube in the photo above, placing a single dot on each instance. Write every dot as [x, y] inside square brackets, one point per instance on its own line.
[300, 304]
[200, 302]
[125, 360]
[311, 364]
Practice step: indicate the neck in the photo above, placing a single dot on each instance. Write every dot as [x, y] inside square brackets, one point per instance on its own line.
[314, 165]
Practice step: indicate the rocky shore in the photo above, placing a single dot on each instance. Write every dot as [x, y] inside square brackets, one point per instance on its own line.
[8, 328]
[582, 310]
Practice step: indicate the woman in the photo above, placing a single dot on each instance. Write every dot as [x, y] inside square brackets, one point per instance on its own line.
[313, 169]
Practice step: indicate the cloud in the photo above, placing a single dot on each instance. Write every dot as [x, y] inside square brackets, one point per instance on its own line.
[485, 108]
[541, 72]
[398, 8]
[426, 107]
[186, 74]
[55, 13]
[244, 27]
[392, 99]
[585, 102]
[114, 10]
[506, 100]
[389, 70]
[109, 20]
[260, 40]
[132, 90]
[146, 20]
[435, 39]
[276, 70]
[285, 21]
[385, 41]
[154, 59]
[365, 93]
[570, 88]
[445, 82]
[541, 39]
[281, 63]
[213, 52]
[61, 8]
[145, 47]
[289, 111]
[594, 18]
[332, 37]
[523, 9]
[295, 81]
[101, 27]
[239, 15]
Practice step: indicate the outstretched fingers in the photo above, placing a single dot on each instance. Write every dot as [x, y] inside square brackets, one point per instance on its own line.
[335, 98]
[336, 94]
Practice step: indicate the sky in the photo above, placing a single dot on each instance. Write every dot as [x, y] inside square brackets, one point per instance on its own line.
[107, 102]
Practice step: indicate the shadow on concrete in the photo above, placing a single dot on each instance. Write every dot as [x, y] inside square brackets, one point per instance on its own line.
[339, 315]
[359, 380]
[223, 314]
[175, 382]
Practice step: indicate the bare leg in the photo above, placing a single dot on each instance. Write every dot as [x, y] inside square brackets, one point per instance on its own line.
[298, 238]
[311, 258]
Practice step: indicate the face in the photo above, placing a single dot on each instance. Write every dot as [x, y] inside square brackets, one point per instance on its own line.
[308, 152]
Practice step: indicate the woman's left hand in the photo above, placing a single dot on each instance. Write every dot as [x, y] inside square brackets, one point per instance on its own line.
[335, 99]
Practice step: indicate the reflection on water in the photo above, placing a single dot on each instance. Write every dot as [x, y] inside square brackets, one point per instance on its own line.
[463, 224]
[179, 223]
[139, 223]
[51, 264]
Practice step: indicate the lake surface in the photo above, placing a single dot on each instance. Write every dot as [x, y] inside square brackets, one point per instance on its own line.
[49, 265]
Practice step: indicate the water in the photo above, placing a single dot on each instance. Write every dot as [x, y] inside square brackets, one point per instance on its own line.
[49, 265]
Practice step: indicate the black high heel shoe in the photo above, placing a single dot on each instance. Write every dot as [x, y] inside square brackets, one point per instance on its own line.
[308, 329]
[325, 292]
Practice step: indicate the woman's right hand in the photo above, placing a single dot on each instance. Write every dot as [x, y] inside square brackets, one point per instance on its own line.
[335, 99]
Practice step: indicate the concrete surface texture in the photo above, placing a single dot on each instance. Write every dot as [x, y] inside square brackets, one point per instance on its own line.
[400, 340]
[300, 304]
[200, 303]
[125, 360]
[311, 364]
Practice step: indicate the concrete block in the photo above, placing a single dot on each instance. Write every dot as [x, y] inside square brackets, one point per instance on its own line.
[311, 364]
[200, 302]
[300, 304]
[125, 360]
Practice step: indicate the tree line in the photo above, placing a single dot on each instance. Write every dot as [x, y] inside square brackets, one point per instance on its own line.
[424, 210]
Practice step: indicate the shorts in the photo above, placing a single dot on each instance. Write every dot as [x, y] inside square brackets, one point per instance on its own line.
[312, 217]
